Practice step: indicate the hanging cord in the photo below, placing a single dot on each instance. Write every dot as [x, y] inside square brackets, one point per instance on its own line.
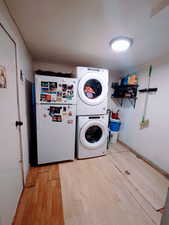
[109, 134]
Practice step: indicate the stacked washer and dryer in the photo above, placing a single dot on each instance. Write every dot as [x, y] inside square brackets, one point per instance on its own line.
[92, 118]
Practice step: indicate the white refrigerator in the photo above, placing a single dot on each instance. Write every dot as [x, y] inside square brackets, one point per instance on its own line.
[56, 118]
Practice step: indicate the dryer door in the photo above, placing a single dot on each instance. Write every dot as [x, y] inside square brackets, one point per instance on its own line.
[92, 89]
[93, 134]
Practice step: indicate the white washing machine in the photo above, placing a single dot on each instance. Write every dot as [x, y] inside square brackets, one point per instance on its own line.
[92, 132]
[92, 91]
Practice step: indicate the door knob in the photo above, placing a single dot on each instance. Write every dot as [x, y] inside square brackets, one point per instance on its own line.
[18, 123]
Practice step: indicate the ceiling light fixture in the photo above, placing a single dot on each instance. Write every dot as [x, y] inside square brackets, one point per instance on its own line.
[121, 44]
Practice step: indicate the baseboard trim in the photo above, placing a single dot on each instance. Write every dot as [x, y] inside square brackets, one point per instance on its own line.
[149, 162]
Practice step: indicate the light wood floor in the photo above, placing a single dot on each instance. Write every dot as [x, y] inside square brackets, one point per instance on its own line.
[117, 189]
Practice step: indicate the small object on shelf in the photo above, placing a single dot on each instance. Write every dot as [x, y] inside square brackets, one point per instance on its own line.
[130, 79]
[128, 91]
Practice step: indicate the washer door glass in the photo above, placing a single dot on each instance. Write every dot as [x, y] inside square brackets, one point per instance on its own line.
[93, 134]
[92, 88]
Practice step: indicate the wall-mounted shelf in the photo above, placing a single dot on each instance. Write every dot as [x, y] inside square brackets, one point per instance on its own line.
[125, 92]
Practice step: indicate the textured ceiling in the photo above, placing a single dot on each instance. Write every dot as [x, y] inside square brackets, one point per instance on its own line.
[78, 32]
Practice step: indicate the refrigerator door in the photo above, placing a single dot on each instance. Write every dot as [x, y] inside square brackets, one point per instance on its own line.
[55, 132]
[55, 90]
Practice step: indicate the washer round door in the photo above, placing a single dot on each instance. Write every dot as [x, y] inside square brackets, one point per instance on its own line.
[92, 89]
[93, 134]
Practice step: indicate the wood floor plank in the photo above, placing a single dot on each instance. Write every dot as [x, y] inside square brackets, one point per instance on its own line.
[94, 189]
[122, 181]
[41, 203]
[32, 176]
[54, 173]
[151, 184]
[116, 189]
[118, 148]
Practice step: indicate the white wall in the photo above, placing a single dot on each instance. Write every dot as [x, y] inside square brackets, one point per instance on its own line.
[151, 142]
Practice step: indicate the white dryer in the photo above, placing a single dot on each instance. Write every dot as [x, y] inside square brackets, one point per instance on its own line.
[92, 91]
[92, 136]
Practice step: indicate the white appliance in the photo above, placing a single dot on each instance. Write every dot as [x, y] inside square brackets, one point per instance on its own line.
[92, 91]
[56, 118]
[92, 136]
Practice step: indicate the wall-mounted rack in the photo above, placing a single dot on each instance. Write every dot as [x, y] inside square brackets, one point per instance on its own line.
[125, 92]
[148, 90]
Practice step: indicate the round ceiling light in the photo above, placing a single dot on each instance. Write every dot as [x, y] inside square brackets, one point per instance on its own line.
[121, 44]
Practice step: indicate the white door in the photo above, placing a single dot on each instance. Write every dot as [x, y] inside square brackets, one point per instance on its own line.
[92, 89]
[10, 167]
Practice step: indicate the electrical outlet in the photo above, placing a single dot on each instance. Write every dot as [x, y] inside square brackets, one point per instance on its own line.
[144, 124]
